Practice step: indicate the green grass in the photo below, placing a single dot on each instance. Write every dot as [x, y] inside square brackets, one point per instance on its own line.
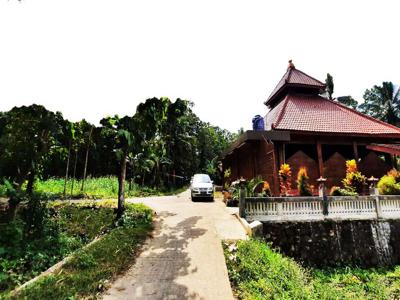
[95, 188]
[70, 227]
[86, 275]
[258, 272]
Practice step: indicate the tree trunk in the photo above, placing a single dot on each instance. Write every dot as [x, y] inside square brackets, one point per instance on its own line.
[121, 187]
[31, 181]
[73, 177]
[86, 160]
[67, 169]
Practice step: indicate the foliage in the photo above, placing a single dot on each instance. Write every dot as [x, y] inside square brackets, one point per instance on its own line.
[253, 185]
[351, 166]
[29, 135]
[266, 189]
[162, 139]
[303, 185]
[354, 180]
[348, 101]
[337, 191]
[395, 174]
[95, 188]
[382, 102]
[227, 176]
[285, 178]
[28, 250]
[387, 185]
[258, 272]
[329, 85]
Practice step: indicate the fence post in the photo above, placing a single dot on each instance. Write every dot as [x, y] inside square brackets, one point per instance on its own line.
[280, 208]
[322, 194]
[373, 191]
[242, 198]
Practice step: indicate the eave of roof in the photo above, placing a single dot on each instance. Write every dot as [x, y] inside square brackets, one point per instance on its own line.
[385, 148]
[252, 135]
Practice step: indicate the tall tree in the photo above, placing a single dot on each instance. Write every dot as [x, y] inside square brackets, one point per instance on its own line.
[123, 131]
[383, 103]
[89, 141]
[70, 132]
[348, 101]
[329, 85]
[30, 134]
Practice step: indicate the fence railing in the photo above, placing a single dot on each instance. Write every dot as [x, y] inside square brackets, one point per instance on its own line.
[319, 208]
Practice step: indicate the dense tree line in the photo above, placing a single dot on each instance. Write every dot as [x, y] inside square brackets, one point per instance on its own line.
[161, 145]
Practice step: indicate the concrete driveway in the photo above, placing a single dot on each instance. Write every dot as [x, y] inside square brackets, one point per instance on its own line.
[184, 259]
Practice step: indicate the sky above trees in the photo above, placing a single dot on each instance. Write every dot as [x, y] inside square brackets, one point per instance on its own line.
[94, 58]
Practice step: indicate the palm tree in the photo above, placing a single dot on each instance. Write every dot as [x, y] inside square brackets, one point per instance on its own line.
[383, 103]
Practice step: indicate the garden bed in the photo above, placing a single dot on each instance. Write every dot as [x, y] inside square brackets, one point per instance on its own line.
[66, 230]
[258, 272]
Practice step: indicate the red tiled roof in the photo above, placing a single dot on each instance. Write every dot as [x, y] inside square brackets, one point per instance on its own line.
[312, 113]
[294, 77]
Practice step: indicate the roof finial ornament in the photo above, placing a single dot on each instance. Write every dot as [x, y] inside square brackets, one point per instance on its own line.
[291, 65]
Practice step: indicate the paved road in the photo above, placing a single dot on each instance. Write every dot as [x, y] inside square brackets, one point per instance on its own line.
[184, 259]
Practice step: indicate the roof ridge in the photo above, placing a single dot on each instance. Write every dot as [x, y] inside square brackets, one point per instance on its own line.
[281, 113]
[290, 70]
[361, 114]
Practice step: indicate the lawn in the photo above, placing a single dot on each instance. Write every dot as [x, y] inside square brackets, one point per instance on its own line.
[258, 272]
[95, 188]
[65, 229]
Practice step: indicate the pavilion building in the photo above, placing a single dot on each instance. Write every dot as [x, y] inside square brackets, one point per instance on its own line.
[305, 129]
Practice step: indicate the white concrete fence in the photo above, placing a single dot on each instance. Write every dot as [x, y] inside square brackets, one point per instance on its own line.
[319, 208]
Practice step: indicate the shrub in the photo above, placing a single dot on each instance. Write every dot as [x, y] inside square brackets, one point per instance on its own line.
[303, 185]
[395, 174]
[258, 272]
[337, 191]
[266, 189]
[387, 185]
[254, 187]
[354, 180]
[285, 177]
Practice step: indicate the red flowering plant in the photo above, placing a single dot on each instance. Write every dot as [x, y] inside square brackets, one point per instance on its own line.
[285, 178]
[303, 183]
[354, 180]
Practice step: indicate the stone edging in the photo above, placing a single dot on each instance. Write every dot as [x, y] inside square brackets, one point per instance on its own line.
[53, 268]
[251, 229]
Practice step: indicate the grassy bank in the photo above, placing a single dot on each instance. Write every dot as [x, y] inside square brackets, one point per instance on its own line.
[95, 188]
[258, 272]
[68, 229]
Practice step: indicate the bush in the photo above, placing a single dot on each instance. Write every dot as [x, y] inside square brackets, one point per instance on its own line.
[303, 185]
[387, 185]
[258, 272]
[266, 189]
[354, 181]
[395, 174]
[285, 178]
[337, 191]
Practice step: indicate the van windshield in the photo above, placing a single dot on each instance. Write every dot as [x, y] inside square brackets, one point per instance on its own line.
[201, 179]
